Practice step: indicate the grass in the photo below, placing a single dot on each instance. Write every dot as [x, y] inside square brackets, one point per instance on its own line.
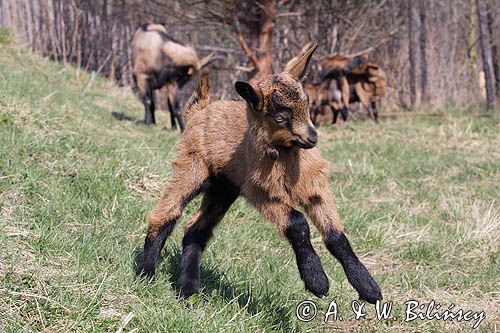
[78, 174]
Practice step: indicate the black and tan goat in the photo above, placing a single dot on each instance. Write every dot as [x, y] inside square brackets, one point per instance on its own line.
[349, 81]
[262, 148]
[160, 60]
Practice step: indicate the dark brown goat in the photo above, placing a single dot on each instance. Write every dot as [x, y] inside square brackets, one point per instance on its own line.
[356, 80]
[368, 88]
[160, 60]
[262, 148]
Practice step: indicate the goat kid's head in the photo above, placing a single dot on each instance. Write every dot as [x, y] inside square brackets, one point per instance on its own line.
[281, 104]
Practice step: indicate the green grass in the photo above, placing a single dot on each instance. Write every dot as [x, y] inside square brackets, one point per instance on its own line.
[419, 198]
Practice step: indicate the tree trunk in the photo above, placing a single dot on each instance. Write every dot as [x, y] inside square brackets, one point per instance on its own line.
[423, 52]
[413, 56]
[259, 52]
[268, 14]
[494, 51]
[471, 45]
[485, 55]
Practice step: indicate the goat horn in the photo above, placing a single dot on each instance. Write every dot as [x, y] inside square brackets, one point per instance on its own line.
[205, 61]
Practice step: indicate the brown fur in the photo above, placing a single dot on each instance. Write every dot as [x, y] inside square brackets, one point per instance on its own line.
[200, 97]
[233, 139]
[262, 148]
[336, 61]
[370, 86]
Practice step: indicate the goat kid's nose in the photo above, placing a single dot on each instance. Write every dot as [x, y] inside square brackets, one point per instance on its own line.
[312, 135]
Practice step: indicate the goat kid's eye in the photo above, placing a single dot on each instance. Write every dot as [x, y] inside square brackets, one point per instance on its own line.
[279, 119]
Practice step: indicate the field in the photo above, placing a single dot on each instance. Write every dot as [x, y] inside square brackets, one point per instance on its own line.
[419, 197]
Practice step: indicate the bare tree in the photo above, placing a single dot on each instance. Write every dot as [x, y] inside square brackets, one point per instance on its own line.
[494, 49]
[260, 26]
[257, 35]
[485, 55]
[412, 51]
[471, 43]
[423, 51]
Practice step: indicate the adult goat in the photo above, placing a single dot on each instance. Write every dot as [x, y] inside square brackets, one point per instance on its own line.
[159, 60]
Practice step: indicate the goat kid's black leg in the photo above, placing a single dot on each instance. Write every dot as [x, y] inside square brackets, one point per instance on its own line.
[369, 110]
[217, 200]
[345, 114]
[375, 112]
[153, 108]
[357, 274]
[310, 268]
[193, 244]
[152, 247]
[172, 115]
[178, 114]
[335, 116]
[172, 120]
[148, 108]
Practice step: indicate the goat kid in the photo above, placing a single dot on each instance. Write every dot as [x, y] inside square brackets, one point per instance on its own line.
[262, 148]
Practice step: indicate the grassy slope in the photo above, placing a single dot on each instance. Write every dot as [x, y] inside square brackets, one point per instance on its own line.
[419, 198]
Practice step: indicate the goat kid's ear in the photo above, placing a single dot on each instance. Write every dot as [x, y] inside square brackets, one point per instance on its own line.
[250, 94]
[297, 66]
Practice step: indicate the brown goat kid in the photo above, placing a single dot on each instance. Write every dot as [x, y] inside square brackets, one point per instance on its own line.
[160, 60]
[262, 148]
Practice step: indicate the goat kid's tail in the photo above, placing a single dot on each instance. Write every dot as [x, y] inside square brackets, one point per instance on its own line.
[200, 97]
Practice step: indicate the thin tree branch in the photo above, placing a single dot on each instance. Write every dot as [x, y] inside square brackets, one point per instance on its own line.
[246, 49]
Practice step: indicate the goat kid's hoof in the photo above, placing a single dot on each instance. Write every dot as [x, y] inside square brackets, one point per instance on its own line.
[359, 277]
[188, 290]
[319, 290]
[370, 292]
[317, 284]
[145, 271]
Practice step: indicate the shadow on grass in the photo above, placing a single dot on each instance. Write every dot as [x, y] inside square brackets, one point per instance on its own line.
[123, 117]
[277, 316]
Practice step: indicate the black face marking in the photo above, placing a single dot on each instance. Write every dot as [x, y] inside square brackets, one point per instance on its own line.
[278, 107]
[281, 115]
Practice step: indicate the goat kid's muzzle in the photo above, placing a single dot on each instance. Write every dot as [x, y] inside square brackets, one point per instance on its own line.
[309, 142]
